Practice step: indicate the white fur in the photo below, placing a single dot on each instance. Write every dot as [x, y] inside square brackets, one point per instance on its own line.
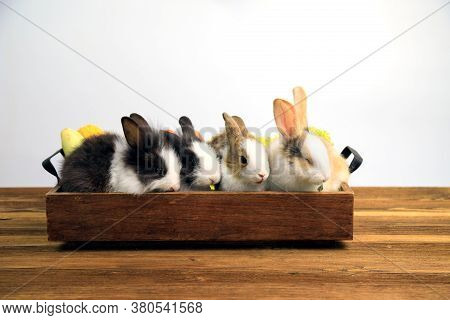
[289, 177]
[208, 171]
[248, 180]
[172, 178]
[320, 159]
[124, 179]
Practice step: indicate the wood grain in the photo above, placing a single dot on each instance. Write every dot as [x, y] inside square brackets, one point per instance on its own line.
[200, 216]
[401, 250]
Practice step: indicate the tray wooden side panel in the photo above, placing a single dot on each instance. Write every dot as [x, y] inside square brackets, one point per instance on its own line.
[200, 216]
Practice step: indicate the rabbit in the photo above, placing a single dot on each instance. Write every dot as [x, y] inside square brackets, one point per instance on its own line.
[300, 160]
[244, 160]
[200, 164]
[142, 161]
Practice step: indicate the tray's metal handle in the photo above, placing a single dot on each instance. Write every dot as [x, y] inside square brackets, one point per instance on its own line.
[48, 165]
[357, 159]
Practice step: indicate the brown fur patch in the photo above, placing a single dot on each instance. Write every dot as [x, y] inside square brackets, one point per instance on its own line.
[339, 169]
[295, 152]
[232, 160]
[241, 125]
[338, 165]
[218, 142]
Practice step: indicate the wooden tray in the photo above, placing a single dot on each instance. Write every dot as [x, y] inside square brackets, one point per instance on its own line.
[200, 216]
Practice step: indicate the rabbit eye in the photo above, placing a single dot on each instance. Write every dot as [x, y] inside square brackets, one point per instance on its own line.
[295, 151]
[244, 160]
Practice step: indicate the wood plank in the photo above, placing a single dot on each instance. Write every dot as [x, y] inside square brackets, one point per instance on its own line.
[401, 198]
[225, 284]
[430, 258]
[200, 216]
[401, 251]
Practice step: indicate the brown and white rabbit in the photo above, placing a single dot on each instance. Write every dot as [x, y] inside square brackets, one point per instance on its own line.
[301, 160]
[142, 161]
[244, 160]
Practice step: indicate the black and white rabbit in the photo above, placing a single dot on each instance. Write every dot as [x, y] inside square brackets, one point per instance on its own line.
[143, 161]
[200, 165]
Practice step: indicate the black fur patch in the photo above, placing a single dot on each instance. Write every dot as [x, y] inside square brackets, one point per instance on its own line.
[87, 168]
[145, 161]
[187, 128]
[189, 161]
[148, 166]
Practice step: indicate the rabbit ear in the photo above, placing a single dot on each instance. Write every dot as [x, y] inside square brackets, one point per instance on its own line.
[234, 134]
[188, 130]
[141, 122]
[199, 136]
[285, 117]
[241, 125]
[137, 136]
[132, 132]
[300, 107]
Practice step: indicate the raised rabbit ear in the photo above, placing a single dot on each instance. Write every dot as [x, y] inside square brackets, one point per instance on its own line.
[137, 136]
[141, 122]
[234, 134]
[199, 136]
[132, 132]
[285, 117]
[300, 107]
[241, 125]
[188, 130]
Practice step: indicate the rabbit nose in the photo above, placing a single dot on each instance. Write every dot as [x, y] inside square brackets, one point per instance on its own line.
[212, 180]
[261, 175]
[174, 188]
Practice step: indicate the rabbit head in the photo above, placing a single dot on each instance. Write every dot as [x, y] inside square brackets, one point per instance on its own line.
[152, 159]
[200, 165]
[245, 157]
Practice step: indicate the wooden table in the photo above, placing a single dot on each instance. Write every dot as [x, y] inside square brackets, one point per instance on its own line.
[401, 250]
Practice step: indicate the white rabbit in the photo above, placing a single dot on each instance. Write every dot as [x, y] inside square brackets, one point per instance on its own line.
[300, 160]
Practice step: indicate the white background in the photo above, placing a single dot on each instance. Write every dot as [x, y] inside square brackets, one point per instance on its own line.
[200, 58]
